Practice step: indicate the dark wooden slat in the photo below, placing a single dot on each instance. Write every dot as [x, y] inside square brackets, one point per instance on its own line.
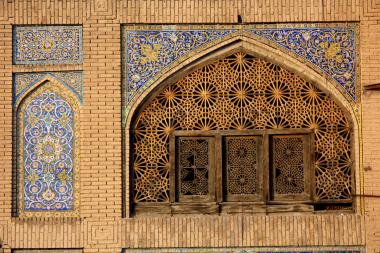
[289, 208]
[195, 208]
[242, 207]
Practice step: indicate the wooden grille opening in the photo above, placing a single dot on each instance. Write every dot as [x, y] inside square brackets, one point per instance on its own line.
[289, 158]
[241, 163]
[241, 92]
[194, 168]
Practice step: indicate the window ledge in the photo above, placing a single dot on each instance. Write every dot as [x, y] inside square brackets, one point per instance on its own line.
[146, 209]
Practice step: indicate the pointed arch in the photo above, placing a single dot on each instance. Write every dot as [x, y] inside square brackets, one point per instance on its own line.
[256, 48]
[47, 131]
[21, 92]
[259, 50]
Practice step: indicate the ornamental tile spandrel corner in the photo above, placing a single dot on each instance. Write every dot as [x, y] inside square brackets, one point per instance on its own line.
[148, 52]
[332, 49]
[24, 82]
[47, 45]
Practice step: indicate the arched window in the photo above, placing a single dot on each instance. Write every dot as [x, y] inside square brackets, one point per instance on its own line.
[241, 134]
[47, 152]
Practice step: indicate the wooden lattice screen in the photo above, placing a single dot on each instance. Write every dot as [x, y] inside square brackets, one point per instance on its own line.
[236, 93]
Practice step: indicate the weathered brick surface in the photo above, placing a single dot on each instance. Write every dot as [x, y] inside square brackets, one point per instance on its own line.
[101, 227]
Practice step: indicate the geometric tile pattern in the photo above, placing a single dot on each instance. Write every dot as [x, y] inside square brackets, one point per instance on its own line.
[149, 52]
[252, 250]
[23, 82]
[331, 49]
[47, 151]
[47, 45]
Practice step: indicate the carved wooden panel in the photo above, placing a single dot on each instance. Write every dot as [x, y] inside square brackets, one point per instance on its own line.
[241, 166]
[193, 166]
[289, 170]
[236, 93]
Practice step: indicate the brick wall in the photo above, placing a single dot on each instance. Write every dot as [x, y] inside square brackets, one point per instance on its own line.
[101, 227]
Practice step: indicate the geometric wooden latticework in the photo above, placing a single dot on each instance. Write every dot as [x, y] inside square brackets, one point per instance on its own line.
[288, 165]
[236, 93]
[193, 166]
[241, 163]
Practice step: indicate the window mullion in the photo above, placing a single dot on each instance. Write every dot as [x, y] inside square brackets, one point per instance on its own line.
[172, 173]
[265, 167]
[311, 165]
[218, 168]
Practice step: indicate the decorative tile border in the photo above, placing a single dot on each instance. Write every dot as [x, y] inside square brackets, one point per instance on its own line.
[331, 49]
[23, 82]
[252, 250]
[47, 45]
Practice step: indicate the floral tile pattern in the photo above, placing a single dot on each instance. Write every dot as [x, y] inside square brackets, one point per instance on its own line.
[330, 49]
[147, 53]
[333, 50]
[23, 82]
[47, 45]
[47, 151]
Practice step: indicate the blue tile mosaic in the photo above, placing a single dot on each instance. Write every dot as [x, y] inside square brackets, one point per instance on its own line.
[23, 82]
[149, 53]
[47, 45]
[48, 136]
[47, 147]
[333, 50]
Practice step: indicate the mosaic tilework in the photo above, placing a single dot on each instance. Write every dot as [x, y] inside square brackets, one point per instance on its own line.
[252, 250]
[149, 52]
[331, 49]
[47, 44]
[23, 82]
[47, 151]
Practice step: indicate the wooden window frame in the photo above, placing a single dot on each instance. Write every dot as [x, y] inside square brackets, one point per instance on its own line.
[308, 156]
[192, 204]
[255, 197]
[211, 171]
[217, 202]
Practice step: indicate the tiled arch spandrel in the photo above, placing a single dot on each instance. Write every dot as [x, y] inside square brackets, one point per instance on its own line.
[151, 51]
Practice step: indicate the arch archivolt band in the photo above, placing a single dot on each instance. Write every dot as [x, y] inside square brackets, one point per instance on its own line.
[260, 50]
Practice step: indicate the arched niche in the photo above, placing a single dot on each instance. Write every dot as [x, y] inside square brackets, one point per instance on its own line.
[261, 51]
[47, 165]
